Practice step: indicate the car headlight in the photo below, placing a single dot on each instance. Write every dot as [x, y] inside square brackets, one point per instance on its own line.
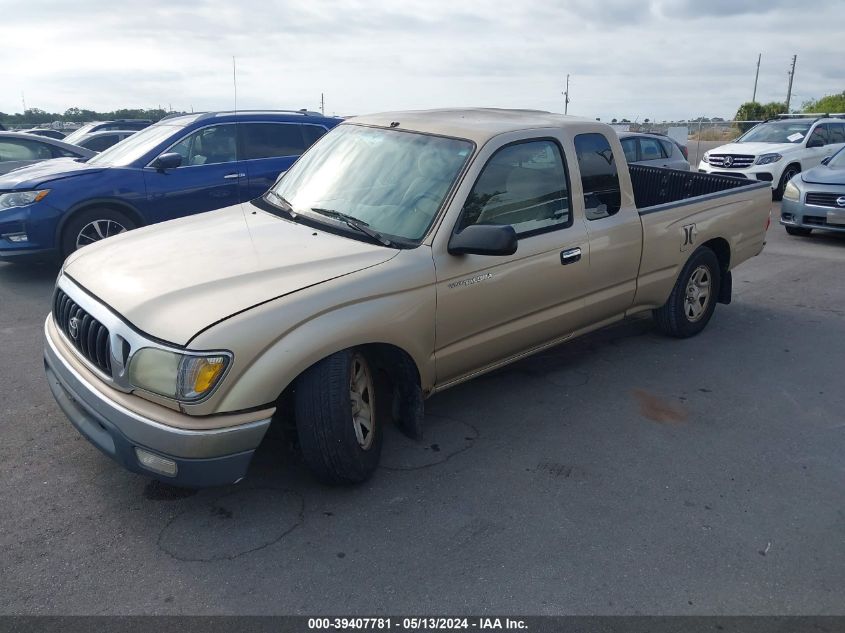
[706, 158]
[790, 192]
[767, 159]
[185, 377]
[21, 198]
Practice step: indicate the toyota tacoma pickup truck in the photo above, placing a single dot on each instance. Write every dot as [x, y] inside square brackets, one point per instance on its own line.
[401, 255]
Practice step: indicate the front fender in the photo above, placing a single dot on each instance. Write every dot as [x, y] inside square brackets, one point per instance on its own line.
[275, 342]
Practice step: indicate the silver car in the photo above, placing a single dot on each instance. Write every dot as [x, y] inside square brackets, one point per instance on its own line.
[654, 150]
[18, 150]
[815, 199]
[98, 141]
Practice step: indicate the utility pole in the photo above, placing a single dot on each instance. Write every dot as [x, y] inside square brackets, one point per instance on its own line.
[756, 76]
[789, 89]
[322, 104]
[566, 95]
[23, 102]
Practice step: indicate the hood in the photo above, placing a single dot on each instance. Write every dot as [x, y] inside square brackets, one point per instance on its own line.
[173, 279]
[824, 175]
[40, 173]
[754, 149]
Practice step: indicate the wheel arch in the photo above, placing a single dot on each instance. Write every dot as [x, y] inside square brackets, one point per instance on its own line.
[96, 203]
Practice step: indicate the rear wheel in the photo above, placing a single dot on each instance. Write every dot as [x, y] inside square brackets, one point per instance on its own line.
[693, 298]
[798, 230]
[788, 173]
[337, 419]
[93, 225]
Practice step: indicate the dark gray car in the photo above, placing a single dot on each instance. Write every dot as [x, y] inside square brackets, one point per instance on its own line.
[18, 149]
[654, 150]
[815, 199]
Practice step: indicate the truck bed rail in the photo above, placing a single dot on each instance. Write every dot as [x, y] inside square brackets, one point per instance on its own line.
[654, 186]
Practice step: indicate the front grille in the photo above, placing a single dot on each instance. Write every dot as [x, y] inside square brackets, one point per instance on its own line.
[825, 199]
[86, 334]
[731, 161]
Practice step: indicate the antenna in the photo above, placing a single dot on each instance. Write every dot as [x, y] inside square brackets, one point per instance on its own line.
[791, 76]
[756, 76]
[566, 95]
[235, 81]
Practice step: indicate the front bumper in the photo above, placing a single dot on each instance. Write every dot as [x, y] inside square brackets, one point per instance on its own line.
[37, 222]
[760, 173]
[207, 457]
[807, 216]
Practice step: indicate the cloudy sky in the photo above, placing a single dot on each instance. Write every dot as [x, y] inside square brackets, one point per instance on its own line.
[658, 59]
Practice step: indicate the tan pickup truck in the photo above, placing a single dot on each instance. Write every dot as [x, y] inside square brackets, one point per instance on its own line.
[402, 254]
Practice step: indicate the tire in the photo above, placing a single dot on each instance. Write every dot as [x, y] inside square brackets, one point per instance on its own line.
[788, 173]
[335, 443]
[798, 230]
[92, 225]
[679, 316]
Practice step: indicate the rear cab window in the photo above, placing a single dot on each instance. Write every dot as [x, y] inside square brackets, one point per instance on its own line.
[599, 175]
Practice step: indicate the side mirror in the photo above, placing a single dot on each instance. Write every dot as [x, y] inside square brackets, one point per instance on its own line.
[484, 239]
[815, 142]
[170, 160]
[826, 160]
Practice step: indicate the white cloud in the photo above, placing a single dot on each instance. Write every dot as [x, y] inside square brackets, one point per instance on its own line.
[657, 59]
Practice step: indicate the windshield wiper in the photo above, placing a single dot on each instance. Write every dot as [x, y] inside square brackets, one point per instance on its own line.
[355, 223]
[284, 204]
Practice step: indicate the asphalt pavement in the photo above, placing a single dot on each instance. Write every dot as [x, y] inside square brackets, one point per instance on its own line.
[622, 473]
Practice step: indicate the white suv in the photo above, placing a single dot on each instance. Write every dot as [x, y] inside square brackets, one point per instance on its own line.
[775, 151]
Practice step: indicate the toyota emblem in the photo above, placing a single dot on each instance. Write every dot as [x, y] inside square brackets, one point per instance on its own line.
[729, 160]
[840, 201]
[73, 328]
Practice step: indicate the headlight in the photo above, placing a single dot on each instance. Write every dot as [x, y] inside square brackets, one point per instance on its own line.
[706, 158]
[185, 377]
[767, 159]
[21, 198]
[790, 192]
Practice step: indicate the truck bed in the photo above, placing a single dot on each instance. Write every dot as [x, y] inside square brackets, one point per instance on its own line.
[655, 186]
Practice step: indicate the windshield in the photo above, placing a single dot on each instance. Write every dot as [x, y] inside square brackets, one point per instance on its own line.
[394, 181]
[134, 147]
[74, 136]
[776, 132]
[838, 160]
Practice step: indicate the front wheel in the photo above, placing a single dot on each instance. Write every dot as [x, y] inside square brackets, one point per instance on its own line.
[693, 297]
[798, 230]
[788, 174]
[337, 419]
[93, 225]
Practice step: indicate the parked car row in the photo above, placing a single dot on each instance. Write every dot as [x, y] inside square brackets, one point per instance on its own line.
[178, 166]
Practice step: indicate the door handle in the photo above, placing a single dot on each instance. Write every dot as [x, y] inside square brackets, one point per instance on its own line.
[570, 256]
[229, 176]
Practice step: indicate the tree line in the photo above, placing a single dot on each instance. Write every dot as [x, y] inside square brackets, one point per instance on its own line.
[36, 116]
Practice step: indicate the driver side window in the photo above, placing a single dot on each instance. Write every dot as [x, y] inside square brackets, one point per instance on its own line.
[523, 185]
[208, 146]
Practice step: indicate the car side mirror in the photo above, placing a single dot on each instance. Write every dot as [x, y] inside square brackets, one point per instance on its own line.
[826, 160]
[815, 142]
[484, 239]
[170, 160]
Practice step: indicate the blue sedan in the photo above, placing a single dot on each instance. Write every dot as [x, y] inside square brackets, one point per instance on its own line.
[179, 166]
[815, 199]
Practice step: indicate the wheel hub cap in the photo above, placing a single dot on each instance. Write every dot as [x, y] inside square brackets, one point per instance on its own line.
[698, 294]
[361, 397]
[98, 230]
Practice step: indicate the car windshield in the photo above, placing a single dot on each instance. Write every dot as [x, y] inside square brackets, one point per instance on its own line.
[134, 147]
[394, 181]
[76, 135]
[838, 160]
[776, 132]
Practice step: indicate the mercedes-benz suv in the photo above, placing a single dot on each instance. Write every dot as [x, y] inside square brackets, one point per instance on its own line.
[777, 150]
